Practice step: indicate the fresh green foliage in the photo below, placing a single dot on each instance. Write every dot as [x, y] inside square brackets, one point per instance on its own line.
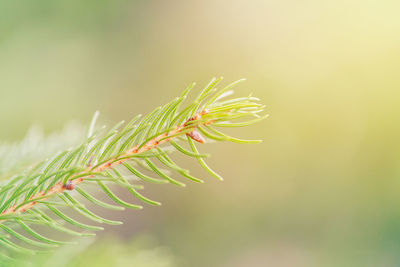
[121, 156]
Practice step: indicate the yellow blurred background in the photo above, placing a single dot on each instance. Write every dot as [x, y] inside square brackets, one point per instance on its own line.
[323, 189]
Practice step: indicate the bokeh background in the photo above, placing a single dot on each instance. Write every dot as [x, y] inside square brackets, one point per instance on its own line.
[323, 189]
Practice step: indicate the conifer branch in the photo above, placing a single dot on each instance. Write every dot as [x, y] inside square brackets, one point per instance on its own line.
[142, 145]
[78, 178]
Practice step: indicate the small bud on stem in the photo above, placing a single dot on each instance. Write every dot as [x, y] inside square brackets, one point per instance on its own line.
[196, 136]
[69, 185]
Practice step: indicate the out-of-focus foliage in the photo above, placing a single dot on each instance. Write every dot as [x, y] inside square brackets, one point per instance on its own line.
[321, 190]
[35, 146]
[142, 251]
[108, 251]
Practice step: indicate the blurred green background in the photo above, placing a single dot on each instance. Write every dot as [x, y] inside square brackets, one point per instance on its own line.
[323, 189]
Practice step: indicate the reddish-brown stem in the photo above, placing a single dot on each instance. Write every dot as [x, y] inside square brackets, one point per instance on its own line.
[60, 187]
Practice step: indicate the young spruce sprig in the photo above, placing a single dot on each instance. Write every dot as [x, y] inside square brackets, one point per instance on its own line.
[41, 194]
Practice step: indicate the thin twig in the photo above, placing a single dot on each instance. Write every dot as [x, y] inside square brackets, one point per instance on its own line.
[60, 187]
